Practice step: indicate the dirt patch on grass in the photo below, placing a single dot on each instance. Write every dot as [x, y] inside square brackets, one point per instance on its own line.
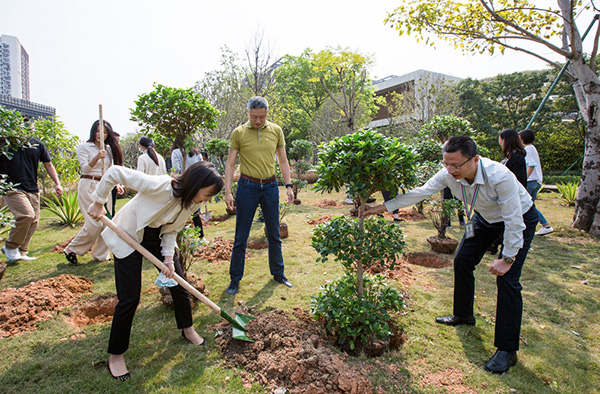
[328, 204]
[321, 220]
[21, 309]
[291, 353]
[400, 272]
[450, 379]
[258, 244]
[60, 248]
[98, 309]
[407, 214]
[429, 260]
[219, 250]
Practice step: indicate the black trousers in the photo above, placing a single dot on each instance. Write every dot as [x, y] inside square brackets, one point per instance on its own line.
[128, 278]
[509, 303]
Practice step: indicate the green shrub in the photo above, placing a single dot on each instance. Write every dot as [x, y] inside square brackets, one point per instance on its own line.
[189, 242]
[556, 179]
[568, 192]
[65, 207]
[357, 320]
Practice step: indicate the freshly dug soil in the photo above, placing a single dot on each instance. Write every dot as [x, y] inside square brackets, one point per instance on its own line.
[21, 309]
[321, 220]
[98, 309]
[328, 204]
[442, 245]
[60, 248]
[428, 260]
[219, 250]
[407, 214]
[258, 244]
[291, 353]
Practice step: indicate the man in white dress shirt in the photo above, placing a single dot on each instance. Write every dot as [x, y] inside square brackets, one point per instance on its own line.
[496, 205]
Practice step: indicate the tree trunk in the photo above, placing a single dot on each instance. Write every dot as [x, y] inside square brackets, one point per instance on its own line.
[359, 263]
[587, 205]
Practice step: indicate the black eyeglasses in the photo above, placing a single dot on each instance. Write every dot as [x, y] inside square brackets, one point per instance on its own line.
[456, 168]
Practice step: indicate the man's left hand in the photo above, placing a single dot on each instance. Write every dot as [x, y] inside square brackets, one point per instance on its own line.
[290, 194]
[499, 267]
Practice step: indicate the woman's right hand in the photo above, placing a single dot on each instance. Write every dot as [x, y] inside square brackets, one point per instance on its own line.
[101, 154]
[96, 210]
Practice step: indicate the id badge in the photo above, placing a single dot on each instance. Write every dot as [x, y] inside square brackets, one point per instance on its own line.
[469, 230]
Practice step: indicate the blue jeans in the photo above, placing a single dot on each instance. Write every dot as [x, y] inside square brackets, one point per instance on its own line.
[532, 188]
[249, 195]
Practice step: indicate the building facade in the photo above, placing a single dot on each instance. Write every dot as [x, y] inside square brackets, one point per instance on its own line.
[15, 93]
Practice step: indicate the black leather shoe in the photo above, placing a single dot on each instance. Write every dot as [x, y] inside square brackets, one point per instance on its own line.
[284, 280]
[233, 287]
[501, 361]
[456, 320]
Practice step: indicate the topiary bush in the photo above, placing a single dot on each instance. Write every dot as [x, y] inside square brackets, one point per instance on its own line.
[354, 320]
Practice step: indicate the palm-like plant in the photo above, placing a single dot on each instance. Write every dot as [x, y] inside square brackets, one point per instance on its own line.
[66, 208]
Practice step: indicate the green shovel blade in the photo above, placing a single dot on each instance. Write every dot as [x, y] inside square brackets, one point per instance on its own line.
[238, 325]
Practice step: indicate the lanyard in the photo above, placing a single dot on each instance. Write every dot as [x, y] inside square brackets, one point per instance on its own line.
[475, 194]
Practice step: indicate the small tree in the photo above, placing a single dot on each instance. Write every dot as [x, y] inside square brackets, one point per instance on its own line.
[218, 148]
[177, 113]
[366, 162]
[14, 132]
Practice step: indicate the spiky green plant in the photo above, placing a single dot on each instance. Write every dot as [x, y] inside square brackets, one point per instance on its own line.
[65, 207]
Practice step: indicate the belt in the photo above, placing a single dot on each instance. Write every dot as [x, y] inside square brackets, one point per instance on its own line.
[96, 178]
[258, 180]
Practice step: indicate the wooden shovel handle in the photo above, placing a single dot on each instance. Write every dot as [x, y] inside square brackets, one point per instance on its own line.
[134, 244]
[101, 132]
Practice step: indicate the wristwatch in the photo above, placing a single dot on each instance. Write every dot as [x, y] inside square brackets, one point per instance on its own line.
[508, 260]
[289, 185]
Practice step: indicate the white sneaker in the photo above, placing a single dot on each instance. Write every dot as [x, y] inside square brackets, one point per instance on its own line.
[545, 230]
[349, 201]
[25, 257]
[13, 255]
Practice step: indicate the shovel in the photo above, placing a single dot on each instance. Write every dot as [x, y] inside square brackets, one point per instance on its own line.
[238, 323]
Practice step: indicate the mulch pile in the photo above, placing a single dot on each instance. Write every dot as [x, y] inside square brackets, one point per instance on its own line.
[292, 354]
[21, 309]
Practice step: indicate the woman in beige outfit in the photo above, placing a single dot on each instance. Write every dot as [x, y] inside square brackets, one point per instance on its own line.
[90, 159]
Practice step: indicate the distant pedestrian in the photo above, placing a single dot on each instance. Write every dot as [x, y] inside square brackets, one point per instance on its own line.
[24, 200]
[534, 176]
[150, 162]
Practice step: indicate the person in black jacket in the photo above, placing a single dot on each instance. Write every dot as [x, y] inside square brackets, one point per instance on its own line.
[514, 154]
[514, 160]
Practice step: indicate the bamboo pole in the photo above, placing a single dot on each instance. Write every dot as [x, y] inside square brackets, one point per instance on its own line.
[101, 132]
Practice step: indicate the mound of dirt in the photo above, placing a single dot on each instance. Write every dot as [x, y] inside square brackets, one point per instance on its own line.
[21, 309]
[407, 214]
[321, 220]
[401, 271]
[258, 244]
[218, 250]
[328, 204]
[293, 354]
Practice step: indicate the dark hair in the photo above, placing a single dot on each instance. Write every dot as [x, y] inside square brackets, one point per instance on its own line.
[461, 143]
[110, 140]
[512, 143]
[148, 143]
[527, 136]
[258, 102]
[196, 177]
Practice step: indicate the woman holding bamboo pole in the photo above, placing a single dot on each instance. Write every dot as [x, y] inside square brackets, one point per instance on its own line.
[153, 218]
[92, 154]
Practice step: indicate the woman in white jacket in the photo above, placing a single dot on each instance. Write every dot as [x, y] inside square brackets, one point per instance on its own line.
[150, 162]
[91, 158]
[153, 218]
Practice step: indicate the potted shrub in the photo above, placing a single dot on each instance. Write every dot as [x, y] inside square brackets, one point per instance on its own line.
[365, 162]
[440, 211]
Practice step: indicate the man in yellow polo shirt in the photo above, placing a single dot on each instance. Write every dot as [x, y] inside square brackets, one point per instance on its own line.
[257, 142]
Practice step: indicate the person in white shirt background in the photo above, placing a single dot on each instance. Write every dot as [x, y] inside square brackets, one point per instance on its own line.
[496, 204]
[91, 158]
[534, 175]
[150, 162]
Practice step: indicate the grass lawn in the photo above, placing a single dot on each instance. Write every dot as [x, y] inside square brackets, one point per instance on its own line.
[560, 337]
